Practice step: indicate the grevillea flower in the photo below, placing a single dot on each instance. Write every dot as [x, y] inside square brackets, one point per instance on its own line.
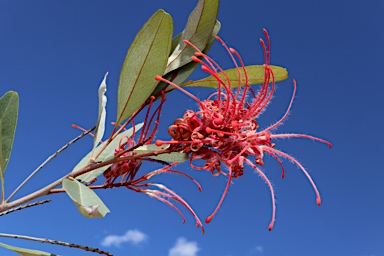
[225, 131]
[129, 168]
[127, 163]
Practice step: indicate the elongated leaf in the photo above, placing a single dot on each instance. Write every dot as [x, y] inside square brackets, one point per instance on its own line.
[171, 157]
[255, 76]
[185, 71]
[26, 252]
[85, 199]
[175, 42]
[105, 155]
[199, 28]
[146, 58]
[100, 125]
[9, 107]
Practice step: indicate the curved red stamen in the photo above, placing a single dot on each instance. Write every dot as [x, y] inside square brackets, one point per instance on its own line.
[192, 45]
[234, 62]
[268, 96]
[278, 152]
[286, 112]
[163, 170]
[159, 78]
[210, 217]
[161, 142]
[265, 178]
[264, 50]
[269, 46]
[280, 163]
[176, 197]
[152, 193]
[304, 136]
[210, 130]
[246, 86]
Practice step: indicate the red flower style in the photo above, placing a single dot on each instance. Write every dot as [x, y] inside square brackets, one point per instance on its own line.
[224, 130]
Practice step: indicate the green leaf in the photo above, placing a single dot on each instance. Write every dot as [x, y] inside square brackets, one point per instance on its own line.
[200, 25]
[85, 199]
[26, 252]
[108, 153]
[185, 71]
[169, 157]
[9, 107]
[175, 42]
[146, 58]
[102, 113]
[255, 76]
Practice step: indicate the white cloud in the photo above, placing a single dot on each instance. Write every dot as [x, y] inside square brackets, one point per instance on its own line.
[257, 250]
[133, 236]
[184, 248]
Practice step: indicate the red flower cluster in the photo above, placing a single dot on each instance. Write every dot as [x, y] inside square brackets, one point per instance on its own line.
[224, 130]
[128, 169]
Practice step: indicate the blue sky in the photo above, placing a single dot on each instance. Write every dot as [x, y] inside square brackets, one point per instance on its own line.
[55, 54]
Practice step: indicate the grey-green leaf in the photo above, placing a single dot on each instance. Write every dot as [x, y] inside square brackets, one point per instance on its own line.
[85, 199]
[185, 71]
[178, 157]
[200, 25]
[9, 107]
[102, 113]
[175, 42]
[146, 58]
[105, 155]
[255, 76]
[26, 252]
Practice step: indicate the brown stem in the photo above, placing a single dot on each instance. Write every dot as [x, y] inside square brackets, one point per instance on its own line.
[25, 206]
[115, 133]
[45, 191]
[50, 241]
[46, 161]
[104, 186]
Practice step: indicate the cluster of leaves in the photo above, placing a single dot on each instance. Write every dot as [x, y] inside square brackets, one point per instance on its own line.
[154, 51]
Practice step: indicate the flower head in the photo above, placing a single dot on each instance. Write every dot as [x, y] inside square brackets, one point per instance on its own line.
[225, 131]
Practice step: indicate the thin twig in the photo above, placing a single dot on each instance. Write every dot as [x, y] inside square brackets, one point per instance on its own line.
[49, 159]
[103, 186]
[49, 241]
[25, 206]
